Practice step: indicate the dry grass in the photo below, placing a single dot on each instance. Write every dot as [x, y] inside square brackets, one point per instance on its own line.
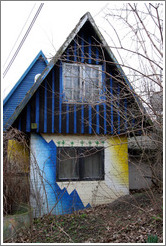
[130, 219]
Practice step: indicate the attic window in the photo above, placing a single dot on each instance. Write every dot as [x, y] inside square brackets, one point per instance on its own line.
[81, 82]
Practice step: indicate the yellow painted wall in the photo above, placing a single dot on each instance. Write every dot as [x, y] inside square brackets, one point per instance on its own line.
[117, 152]
[18, 155]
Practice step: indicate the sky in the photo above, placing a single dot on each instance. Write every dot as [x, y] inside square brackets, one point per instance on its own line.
[54, 23]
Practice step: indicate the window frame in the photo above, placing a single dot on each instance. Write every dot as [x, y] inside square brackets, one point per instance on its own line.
[82, 84]
[80, 164]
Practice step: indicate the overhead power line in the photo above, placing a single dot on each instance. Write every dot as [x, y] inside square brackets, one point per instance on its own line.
[19, 36]
[23, 40]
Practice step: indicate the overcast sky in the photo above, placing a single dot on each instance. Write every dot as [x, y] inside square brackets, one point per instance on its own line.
[54, 23]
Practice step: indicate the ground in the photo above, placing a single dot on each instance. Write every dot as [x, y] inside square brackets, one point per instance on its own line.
[129, 219]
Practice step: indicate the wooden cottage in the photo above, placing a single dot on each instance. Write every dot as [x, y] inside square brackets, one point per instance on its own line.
[77, 114]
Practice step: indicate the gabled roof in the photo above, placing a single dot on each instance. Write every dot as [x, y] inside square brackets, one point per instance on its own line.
[72, 35]
[24, 84]
[23, 76]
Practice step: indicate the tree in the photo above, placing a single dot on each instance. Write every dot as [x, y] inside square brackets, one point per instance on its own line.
[138, 29]
[136, 32]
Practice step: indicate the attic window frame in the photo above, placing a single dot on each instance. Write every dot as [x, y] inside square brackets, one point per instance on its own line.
[82, 83]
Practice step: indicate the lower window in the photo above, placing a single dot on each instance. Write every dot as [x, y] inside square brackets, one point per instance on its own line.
[78, 163]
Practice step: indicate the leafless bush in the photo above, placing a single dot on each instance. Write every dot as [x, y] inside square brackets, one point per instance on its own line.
[15, 170]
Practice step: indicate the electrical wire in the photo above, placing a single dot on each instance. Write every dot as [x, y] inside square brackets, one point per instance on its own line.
[23, 40]
[19, 36]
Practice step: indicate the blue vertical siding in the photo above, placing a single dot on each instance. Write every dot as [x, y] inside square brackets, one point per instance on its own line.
[68, 54]
[97, 106]
[104, 97]
[67, 105]
[97, 119]
[105, 119]
[82, 48]
[37, 110]
[125, 113]
[45, 107]
[28, 119]
[97, 56]
[90, 119]
[82, 118]
[89, 50]
[133, 122]
[60, 97]
[75, 107]
[89, 61]
[67, 118]
[75, 119]
[53, 95]
[111, 97]
[75, 51]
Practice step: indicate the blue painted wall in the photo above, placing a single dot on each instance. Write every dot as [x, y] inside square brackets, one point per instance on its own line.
[57, 200]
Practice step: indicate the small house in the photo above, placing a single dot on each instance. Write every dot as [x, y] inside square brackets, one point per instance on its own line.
[77, 116]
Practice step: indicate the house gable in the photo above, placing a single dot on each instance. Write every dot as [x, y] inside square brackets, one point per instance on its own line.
[43, 109]
[24, 84]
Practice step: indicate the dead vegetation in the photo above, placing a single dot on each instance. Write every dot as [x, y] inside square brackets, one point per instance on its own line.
[130, 219]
